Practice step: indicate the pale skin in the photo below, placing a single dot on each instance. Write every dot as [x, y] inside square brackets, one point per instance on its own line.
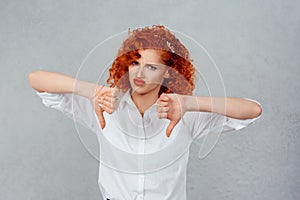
[146, 76]
[173, 106]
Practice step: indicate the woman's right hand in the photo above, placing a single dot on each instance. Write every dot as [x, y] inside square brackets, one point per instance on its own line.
[105, 99]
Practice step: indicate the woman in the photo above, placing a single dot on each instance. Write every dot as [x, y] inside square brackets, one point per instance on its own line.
[151, 81]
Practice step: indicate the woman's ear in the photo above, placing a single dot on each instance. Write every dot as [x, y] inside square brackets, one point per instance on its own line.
[167, 74]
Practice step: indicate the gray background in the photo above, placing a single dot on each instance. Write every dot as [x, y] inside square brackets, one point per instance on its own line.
[254, 43]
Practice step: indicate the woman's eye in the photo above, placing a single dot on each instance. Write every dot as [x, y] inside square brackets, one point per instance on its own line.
[151, 67]
[134, 63]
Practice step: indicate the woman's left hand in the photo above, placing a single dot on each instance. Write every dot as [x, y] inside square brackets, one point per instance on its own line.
[172, 107]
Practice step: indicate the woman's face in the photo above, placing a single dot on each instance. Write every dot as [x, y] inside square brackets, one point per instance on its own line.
[147, 73]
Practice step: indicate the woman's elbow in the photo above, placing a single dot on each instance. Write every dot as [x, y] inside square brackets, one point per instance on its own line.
[33, 79]
[258, 110]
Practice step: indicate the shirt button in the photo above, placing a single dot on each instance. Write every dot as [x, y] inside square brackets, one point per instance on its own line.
[139, 197]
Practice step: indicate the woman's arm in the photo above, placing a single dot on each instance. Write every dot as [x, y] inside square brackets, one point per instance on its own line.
[238, 108]
[43, 81]
[173, 107]
[102, 97]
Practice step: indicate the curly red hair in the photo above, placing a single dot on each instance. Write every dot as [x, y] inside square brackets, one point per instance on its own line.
[172, 52]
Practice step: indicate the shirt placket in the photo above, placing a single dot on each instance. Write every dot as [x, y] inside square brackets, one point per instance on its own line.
[141, 176]
[141, 149]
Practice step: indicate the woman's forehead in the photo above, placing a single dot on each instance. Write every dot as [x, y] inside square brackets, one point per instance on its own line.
[150, 56]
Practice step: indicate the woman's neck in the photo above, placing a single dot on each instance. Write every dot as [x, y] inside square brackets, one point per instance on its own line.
[144, 101]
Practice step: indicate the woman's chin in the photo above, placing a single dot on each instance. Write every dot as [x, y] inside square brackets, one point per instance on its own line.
[139, 91]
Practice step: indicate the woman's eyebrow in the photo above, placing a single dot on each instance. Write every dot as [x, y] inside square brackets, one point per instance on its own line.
[155, 64]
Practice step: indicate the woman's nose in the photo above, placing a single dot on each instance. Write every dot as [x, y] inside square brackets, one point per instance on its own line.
[140, 72]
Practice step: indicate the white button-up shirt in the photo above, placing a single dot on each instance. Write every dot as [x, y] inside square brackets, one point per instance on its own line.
[137, 160]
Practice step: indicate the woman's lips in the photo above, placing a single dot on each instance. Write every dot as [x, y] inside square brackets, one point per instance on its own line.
[138, 82]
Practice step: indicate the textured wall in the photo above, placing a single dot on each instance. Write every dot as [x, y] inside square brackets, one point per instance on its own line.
[254, 43]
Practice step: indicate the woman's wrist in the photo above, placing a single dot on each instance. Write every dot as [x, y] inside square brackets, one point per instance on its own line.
[86, 89]
[196, 103]
[189, 103]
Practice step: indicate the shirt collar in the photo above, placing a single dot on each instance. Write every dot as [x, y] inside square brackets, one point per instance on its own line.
[127, 100]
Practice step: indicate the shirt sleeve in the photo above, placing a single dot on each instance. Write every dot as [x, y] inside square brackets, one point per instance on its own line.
[202, 123]
[76, 107]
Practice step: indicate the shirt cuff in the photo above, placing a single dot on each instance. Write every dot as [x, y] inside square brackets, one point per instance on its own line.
[52, 100]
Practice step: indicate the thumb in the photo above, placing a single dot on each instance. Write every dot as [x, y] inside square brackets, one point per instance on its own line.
[164, 97]
[170, 127]
[101, 119]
